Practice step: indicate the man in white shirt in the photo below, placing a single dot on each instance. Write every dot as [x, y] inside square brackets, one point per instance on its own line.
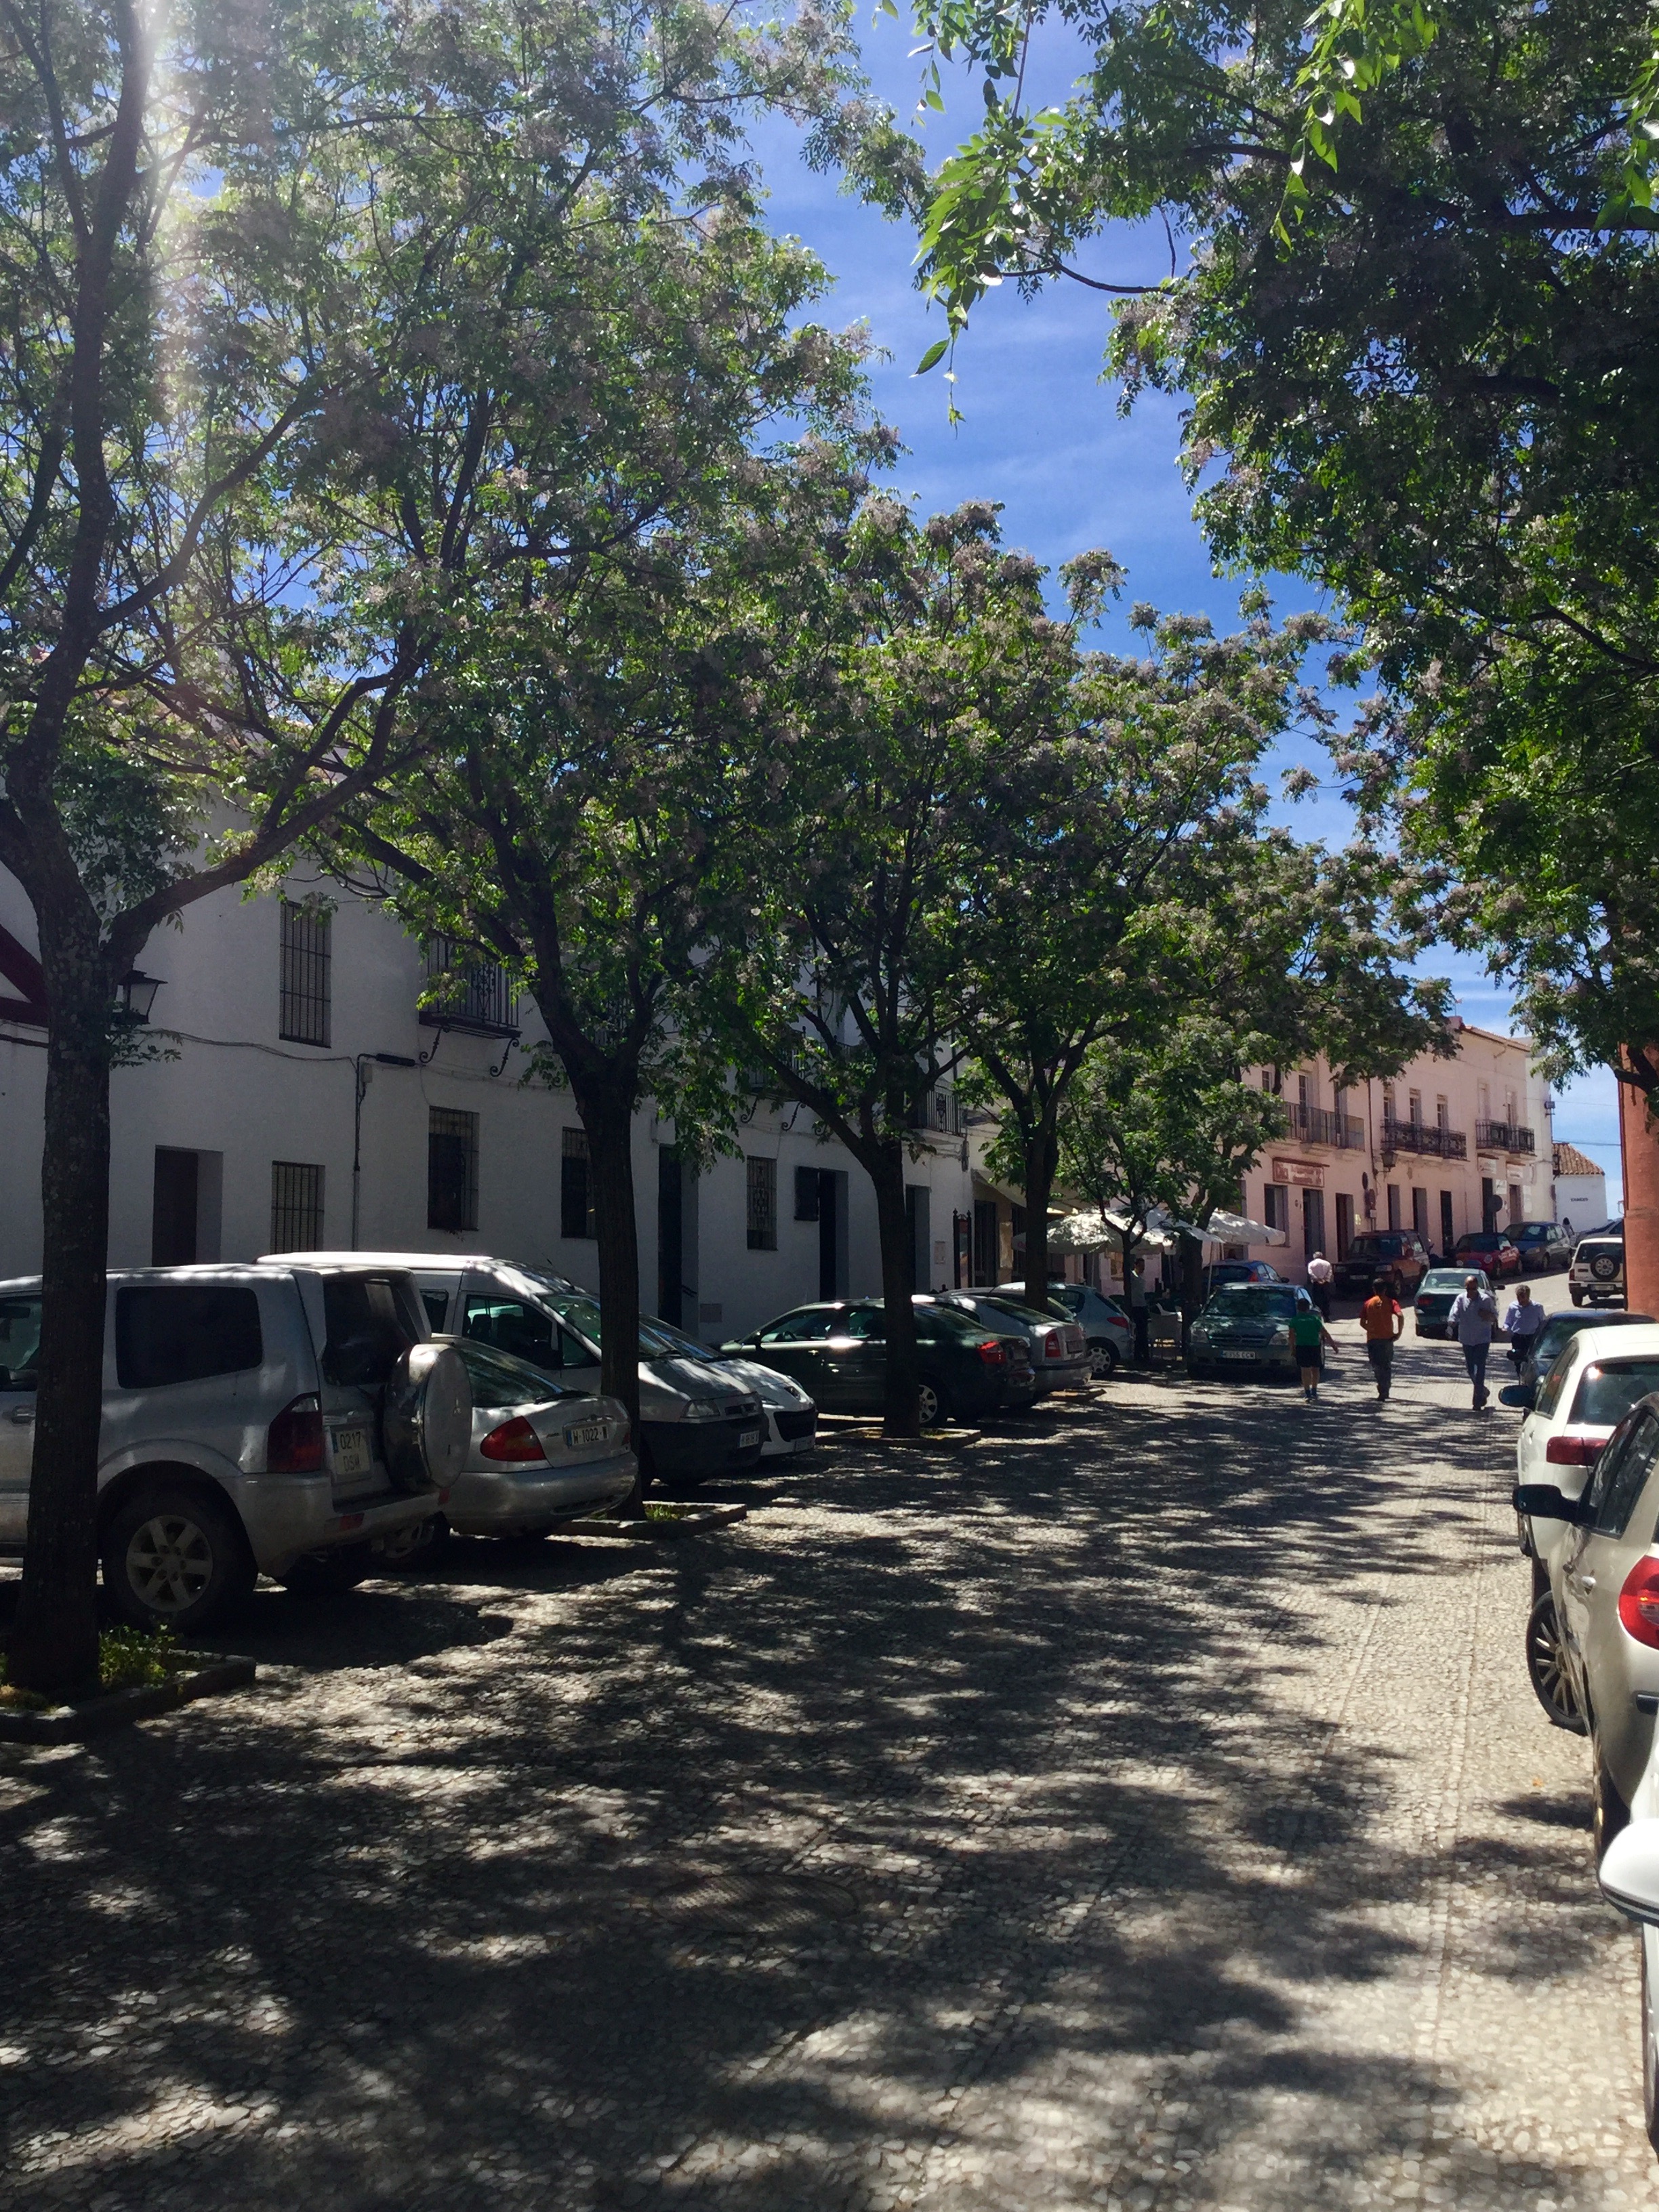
[1523, 1324]
[1473, 1316]
[1320, 1271]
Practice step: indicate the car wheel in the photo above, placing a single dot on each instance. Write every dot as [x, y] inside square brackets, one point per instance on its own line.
[1546, 1667]
[405, 1547]
[1577, 1297]
[1609, 1815]
[930, 1407]
[1105, 1362]
[175, 1557]
[331, 1573]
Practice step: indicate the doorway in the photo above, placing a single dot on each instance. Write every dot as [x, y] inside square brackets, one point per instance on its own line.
[1312, 1222]
[671, 1237]
[186, 1206]
[1447, 1228]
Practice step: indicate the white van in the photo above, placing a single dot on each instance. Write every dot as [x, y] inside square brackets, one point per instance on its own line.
[696, 1418]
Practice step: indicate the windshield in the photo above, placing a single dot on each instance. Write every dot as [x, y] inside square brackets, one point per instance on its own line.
[1253, 1302]
[1444, 1279]
[655, 1341]
[1479, 1240]
[1610, 1387]
[1375, 1247]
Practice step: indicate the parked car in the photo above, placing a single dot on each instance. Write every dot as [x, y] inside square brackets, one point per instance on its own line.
[1546, 1346]
[1220, 1273]
[542, 1452]
[1060, 1357]
[1595, 1378]
[694, 1419]
[1431, 1308]
[1402, 1252]
[275, 1419]
[1604, 1582]
[1597, 1277]
[838, 1352]
[791, 1418]
[1107, 1327]
[1488, 1249]
[1629, 1876]
[1247, 1325]
[1543, 1247]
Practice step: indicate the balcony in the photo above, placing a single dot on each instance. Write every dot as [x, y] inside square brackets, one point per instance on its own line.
[1504, 1137]
[475, 999]
[1419, 1137]
[1343, 1133]
[939, 1111]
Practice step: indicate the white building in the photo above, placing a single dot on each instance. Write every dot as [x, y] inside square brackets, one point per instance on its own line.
[309, 1102]
[1581, 1189]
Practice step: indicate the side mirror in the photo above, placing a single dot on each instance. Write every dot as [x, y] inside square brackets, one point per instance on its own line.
[1518, 1394]
[1629, 1872]
[1543, 1501]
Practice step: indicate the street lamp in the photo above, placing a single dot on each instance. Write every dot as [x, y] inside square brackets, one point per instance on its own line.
[137, 994]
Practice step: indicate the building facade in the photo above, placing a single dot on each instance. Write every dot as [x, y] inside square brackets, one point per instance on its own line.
[297, 1096]
[1581, 1189]
[1448, 1145]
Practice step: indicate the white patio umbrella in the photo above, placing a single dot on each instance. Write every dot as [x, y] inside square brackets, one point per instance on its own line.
[1095, 1231]
[1238, 1229]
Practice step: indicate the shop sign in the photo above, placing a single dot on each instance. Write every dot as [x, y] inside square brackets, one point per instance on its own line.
[1302, 1175]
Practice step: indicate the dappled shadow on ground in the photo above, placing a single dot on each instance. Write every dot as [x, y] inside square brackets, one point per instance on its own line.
[1031, 1768]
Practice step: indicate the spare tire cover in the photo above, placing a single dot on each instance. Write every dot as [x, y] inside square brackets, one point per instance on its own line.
[1604, 1266]
[426, 1420]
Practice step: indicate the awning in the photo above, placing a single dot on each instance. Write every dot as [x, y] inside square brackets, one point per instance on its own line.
[1237, 1229]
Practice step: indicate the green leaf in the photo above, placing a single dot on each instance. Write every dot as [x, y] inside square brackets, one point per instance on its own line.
[932, 358]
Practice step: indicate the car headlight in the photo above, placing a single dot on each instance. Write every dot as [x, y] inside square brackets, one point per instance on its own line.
[1281, 1336]
[1197, 1335]
[703, 1409]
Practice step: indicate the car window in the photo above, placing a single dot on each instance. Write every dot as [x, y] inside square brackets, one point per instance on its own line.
[183, 1333]
[1620, 1475]
[496, 1381]
[1254, 1302]
[811, 1326]
[20, 1342]
[525, 1331]
[368, 1321]
[1609, 1388]
[437, 1309]
[871, 1323]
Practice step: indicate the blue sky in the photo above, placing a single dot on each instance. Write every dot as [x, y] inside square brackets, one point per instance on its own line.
[1042, 435]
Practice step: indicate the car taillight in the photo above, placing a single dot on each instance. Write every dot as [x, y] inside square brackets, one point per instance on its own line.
[1574, 1451]
[991, 1352]
[294, 1442]
[513, 1440]
[1639, 1603]
[1052, 1347]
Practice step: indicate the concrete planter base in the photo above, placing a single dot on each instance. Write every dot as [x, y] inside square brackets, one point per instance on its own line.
[199, 1674]
[648, 1531]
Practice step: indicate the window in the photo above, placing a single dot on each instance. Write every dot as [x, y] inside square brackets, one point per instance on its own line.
[1276, 1207]
[807, 1193]
[184, 1332]
[575, 1187]
[20, 1343]
[437, 1309]
[368, 1320]
[452, 1170]
[1393, 1206]
[1608, 1390]
[1621, 1475]
[763, 1205]
[1414, 1107]
[868, 1322]
[296, 1206]
[514, 1325]
[1441, 1114]
[304, 1017]
[1302, 1093]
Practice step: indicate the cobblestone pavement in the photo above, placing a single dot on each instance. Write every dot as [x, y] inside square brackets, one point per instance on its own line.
[1145, 1810]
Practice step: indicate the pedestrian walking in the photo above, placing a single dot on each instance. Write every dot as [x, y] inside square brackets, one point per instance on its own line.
[1523, 1324]
[1310, 1337]
[1384, 1323]
[1320, 1271]
[1473, 1316]
[1136, 1292]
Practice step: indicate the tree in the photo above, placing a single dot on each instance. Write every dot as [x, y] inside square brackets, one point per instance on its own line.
[925, 647]
[224, 235]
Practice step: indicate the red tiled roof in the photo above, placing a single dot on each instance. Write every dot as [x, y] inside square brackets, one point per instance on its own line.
[1569, 1160]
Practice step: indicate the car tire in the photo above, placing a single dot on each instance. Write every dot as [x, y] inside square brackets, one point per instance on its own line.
[1545, 1670]
[1609, 1815]
[415, 1546]
[331, 1573]
[1577, 1296]
[932, 1412]
[176, 1558]
[1104, 1365]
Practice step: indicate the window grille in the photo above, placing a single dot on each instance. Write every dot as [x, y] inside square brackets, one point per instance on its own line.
[306, 962]
[296, 1206]
[763, 1205]
[474, 996]
[576, 1188]
[452, 1170]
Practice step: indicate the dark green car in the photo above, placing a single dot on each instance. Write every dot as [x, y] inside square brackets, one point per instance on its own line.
[1246, 1329]
[838, 1353]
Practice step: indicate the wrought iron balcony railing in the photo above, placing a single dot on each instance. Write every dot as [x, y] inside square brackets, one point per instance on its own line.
[1430, 1141]
[1503, 1137]
[1315, 1125]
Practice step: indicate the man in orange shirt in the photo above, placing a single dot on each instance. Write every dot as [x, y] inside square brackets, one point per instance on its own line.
[1383, 1324]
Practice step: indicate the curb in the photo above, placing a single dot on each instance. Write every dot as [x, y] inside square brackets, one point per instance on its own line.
[95, 1716]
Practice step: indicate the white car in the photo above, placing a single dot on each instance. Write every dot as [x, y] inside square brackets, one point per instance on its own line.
[791, 1414]
[1596, 1276]
[1597, 1377]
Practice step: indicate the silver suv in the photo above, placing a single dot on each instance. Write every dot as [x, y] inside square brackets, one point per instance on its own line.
[256, 1419]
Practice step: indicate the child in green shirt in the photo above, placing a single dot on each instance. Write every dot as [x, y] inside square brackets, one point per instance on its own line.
[1309, 1335]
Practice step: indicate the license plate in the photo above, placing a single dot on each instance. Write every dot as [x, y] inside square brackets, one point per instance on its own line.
[589, 1432]
[352, 1454]
[1239, 1355]
[748, 1436]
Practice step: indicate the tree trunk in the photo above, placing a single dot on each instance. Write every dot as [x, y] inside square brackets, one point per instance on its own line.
[1192, 1276]
[609, 1123]
[887, 1174]
[54, 1643]
[1041, 1161]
